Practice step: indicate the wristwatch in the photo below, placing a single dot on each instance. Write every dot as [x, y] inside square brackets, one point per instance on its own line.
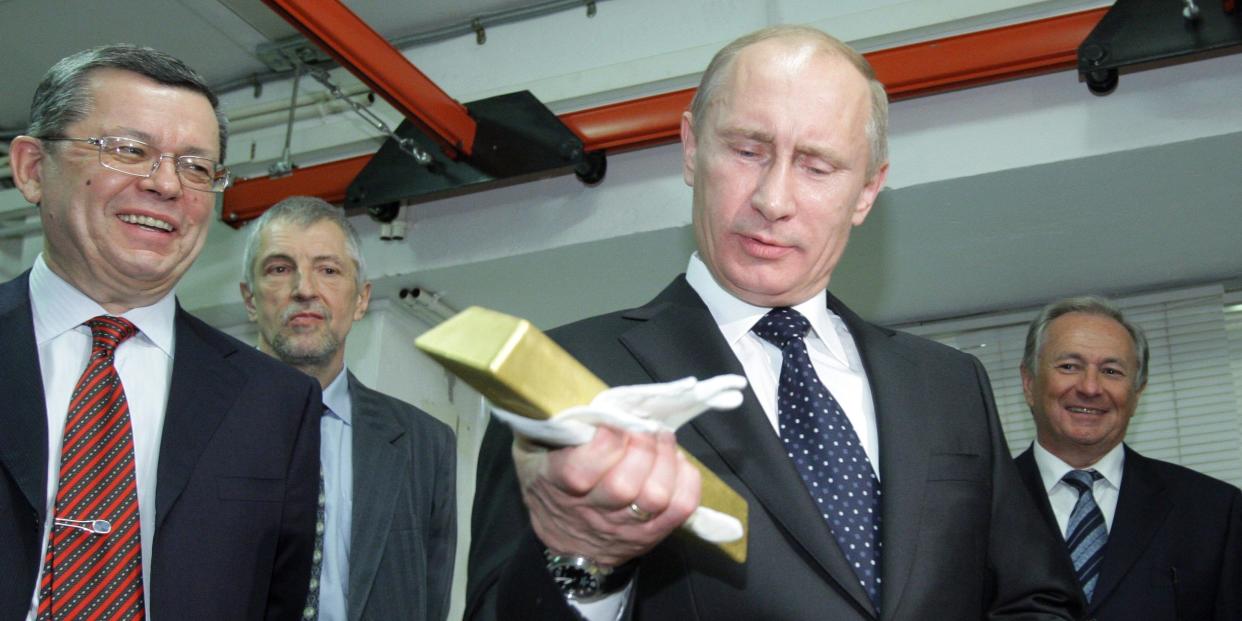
[581, 579]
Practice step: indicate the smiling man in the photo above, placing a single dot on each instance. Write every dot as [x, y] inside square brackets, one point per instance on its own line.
[873, 463]
[1149, 539]
[149, 464]
[389, 513]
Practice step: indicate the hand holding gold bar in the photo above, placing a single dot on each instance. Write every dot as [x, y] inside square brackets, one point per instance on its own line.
[521, 370]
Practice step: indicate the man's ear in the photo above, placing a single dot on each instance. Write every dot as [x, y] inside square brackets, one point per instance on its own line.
[866, 198]
[26, 157]
[689, 146]
[248, 300]
[364, 301]
[1027, 386]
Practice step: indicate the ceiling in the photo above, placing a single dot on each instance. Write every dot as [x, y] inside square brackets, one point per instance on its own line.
[219, 38]
[1127, 215]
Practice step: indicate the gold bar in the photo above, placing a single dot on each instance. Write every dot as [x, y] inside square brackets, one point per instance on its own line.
[518, 368]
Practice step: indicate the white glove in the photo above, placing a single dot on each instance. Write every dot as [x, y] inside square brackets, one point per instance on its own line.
[644, 408]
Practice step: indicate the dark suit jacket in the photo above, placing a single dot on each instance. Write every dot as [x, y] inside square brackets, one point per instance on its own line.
[1175, 549]
[235, 485]
[404, 532]
[956, 542]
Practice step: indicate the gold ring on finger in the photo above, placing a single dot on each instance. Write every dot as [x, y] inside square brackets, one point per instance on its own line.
[639, 513]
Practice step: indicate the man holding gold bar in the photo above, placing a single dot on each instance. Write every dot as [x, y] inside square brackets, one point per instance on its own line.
[877, 477]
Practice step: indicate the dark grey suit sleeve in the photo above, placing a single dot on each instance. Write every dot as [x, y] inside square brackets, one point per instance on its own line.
[442, 535]
[506, 579]
[1029, 579]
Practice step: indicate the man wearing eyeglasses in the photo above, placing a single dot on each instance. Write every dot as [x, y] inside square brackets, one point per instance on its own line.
[149, 464]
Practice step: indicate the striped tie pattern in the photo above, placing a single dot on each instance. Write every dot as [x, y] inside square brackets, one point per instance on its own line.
[93, 565]
[1086, 533]
[824, 447]
[311, 609]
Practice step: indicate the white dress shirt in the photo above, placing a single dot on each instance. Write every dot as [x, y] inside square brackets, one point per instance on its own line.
[833, 354]
[1062, 496]
[829, 343]
[336, 453]
[144, 363]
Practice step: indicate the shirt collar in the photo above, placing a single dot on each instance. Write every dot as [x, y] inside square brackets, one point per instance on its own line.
[336, 397]
[1052, 469]
[59, 307]
[736, 317]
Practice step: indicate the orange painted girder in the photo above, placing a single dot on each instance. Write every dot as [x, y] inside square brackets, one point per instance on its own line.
[908, 71]
[383, 67]
[631, 124]
[249, 198]
[986, 56]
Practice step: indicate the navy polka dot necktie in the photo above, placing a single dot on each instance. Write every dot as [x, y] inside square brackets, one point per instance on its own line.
[821, 442]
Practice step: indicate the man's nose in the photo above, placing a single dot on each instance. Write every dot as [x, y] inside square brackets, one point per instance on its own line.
[1089, 382]
[772, 196]
[164, 178]
[304, 285]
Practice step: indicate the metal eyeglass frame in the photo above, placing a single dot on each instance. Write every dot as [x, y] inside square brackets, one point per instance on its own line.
[219, 184]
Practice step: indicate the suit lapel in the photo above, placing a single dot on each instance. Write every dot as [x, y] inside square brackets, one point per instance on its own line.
[1141, 508]
[23, 441]
[1034, 482]
[380, 464]
[679, 339]
[898, 390]
[203, 389]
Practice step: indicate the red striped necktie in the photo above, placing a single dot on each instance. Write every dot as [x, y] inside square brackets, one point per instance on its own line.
[93, 566]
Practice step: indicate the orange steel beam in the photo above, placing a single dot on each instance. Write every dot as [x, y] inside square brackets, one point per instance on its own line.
[984, 57]
[935, 66]
[249, 198]
[381, 66]
[631, 124]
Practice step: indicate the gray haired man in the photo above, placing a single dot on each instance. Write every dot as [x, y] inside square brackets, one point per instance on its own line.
[1149, 539]
[389, 502]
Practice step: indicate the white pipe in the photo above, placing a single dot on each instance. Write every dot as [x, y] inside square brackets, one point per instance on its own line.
[419, 298]
[264, 119]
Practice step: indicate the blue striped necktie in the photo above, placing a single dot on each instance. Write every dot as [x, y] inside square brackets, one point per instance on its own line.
[1086, 533]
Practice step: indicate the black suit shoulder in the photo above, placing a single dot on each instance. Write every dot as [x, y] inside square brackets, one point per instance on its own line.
[1187, 481]
[241, 355]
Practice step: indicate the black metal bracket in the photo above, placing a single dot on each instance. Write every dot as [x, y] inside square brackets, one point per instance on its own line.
[517, 139]
[1143, 33]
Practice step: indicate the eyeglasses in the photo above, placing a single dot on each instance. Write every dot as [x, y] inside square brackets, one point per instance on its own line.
[137, 158]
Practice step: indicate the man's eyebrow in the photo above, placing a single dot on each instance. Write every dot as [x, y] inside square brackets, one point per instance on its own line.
[276, 256]
[824, 153]
[749, 134]
[1077, 356]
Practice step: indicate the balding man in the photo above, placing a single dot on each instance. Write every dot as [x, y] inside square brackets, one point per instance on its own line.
[877, 476]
